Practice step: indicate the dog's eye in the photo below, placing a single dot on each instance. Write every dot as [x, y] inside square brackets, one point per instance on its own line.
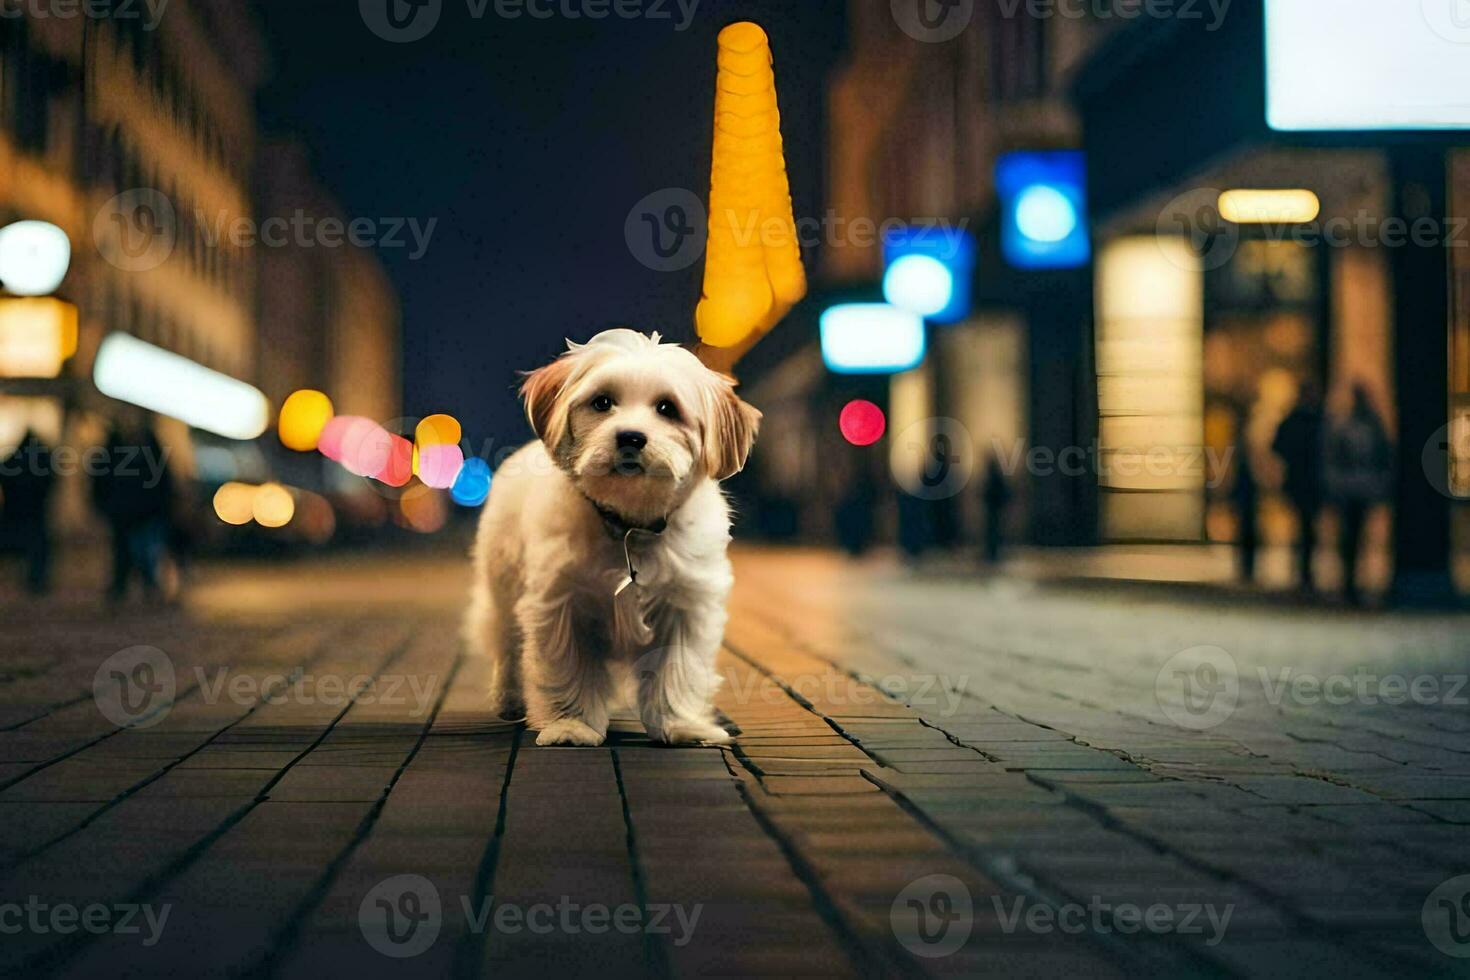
[602, 403]
[667, 409]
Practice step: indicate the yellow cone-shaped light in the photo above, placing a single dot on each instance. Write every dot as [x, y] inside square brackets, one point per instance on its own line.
[752, 268]
[303, 416]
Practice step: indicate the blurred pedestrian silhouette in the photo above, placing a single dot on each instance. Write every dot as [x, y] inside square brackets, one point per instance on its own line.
[1245, 495]
[1298, 443]
[134, 493]
[1359, 466]
[913, 527]
[26, 483]
[995, 494]
[855, 515]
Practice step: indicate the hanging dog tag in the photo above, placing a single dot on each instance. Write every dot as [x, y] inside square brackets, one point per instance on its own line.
[632, 577]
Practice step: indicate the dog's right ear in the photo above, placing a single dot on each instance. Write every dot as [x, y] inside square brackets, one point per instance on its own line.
[542, 391]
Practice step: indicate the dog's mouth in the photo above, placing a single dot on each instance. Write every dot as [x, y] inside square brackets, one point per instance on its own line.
[625, 463]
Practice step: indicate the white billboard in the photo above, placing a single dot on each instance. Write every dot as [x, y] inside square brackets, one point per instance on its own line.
[1367, 64]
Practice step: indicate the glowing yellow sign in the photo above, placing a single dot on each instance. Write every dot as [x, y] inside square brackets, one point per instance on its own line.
[1250, 207]
[752, 268]
[37, 335]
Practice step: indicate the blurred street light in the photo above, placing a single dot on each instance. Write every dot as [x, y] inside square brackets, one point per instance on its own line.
[138, 373]
[920, 284]
[929, 269]
[437, 430]
[361, 445]
[303, 416]
[273, 506]
[861, 422]
[1246, 207]
[472, 486]
[439, 466]
[34, 257]
[234, 503]
[1043, 209]
[37, 335]
[871, 338]
[398, 470]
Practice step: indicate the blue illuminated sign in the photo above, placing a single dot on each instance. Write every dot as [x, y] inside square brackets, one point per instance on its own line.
[929, 270]
[1043, 197]
[871, 338]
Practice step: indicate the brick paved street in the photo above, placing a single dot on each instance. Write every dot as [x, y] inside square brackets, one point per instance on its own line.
[1084, 780]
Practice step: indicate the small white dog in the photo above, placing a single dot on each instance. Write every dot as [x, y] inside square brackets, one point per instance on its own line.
[600, 556]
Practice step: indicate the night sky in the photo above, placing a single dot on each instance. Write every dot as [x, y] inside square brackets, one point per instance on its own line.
[529, 141]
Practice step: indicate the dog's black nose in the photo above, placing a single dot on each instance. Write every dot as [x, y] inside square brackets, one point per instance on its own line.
[631, 440]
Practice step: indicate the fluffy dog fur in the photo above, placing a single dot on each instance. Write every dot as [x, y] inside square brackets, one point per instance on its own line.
[548, 555]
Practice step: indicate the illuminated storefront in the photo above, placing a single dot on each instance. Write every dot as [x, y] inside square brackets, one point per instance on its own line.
[1308, 221]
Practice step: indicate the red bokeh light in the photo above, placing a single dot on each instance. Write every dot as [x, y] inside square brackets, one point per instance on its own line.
[862, 423]
[399, 467]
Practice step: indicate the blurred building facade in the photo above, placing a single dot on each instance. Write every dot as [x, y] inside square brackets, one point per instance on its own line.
[329, 317]
[1184, 339]
[134, 129]
[133, 137]
[915, 132]
[1249, 313]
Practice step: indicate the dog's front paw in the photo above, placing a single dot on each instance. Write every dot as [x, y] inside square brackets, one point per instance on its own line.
[691, 733]
[569, 731]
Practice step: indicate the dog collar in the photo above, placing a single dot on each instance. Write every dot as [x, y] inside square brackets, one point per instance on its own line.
[619, 527]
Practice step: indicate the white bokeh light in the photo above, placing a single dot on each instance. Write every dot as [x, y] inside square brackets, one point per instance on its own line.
[34, 257]
[1044, 214]
[919, 284]
[150, 377]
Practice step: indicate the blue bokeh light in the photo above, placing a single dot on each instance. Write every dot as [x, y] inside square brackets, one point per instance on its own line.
[920, 284]
[929, 271]
[472, 485]
[1044, 214]
[1043, 199]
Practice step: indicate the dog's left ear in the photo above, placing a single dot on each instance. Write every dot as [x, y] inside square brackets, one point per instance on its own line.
[733, 427]
[542, 392]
